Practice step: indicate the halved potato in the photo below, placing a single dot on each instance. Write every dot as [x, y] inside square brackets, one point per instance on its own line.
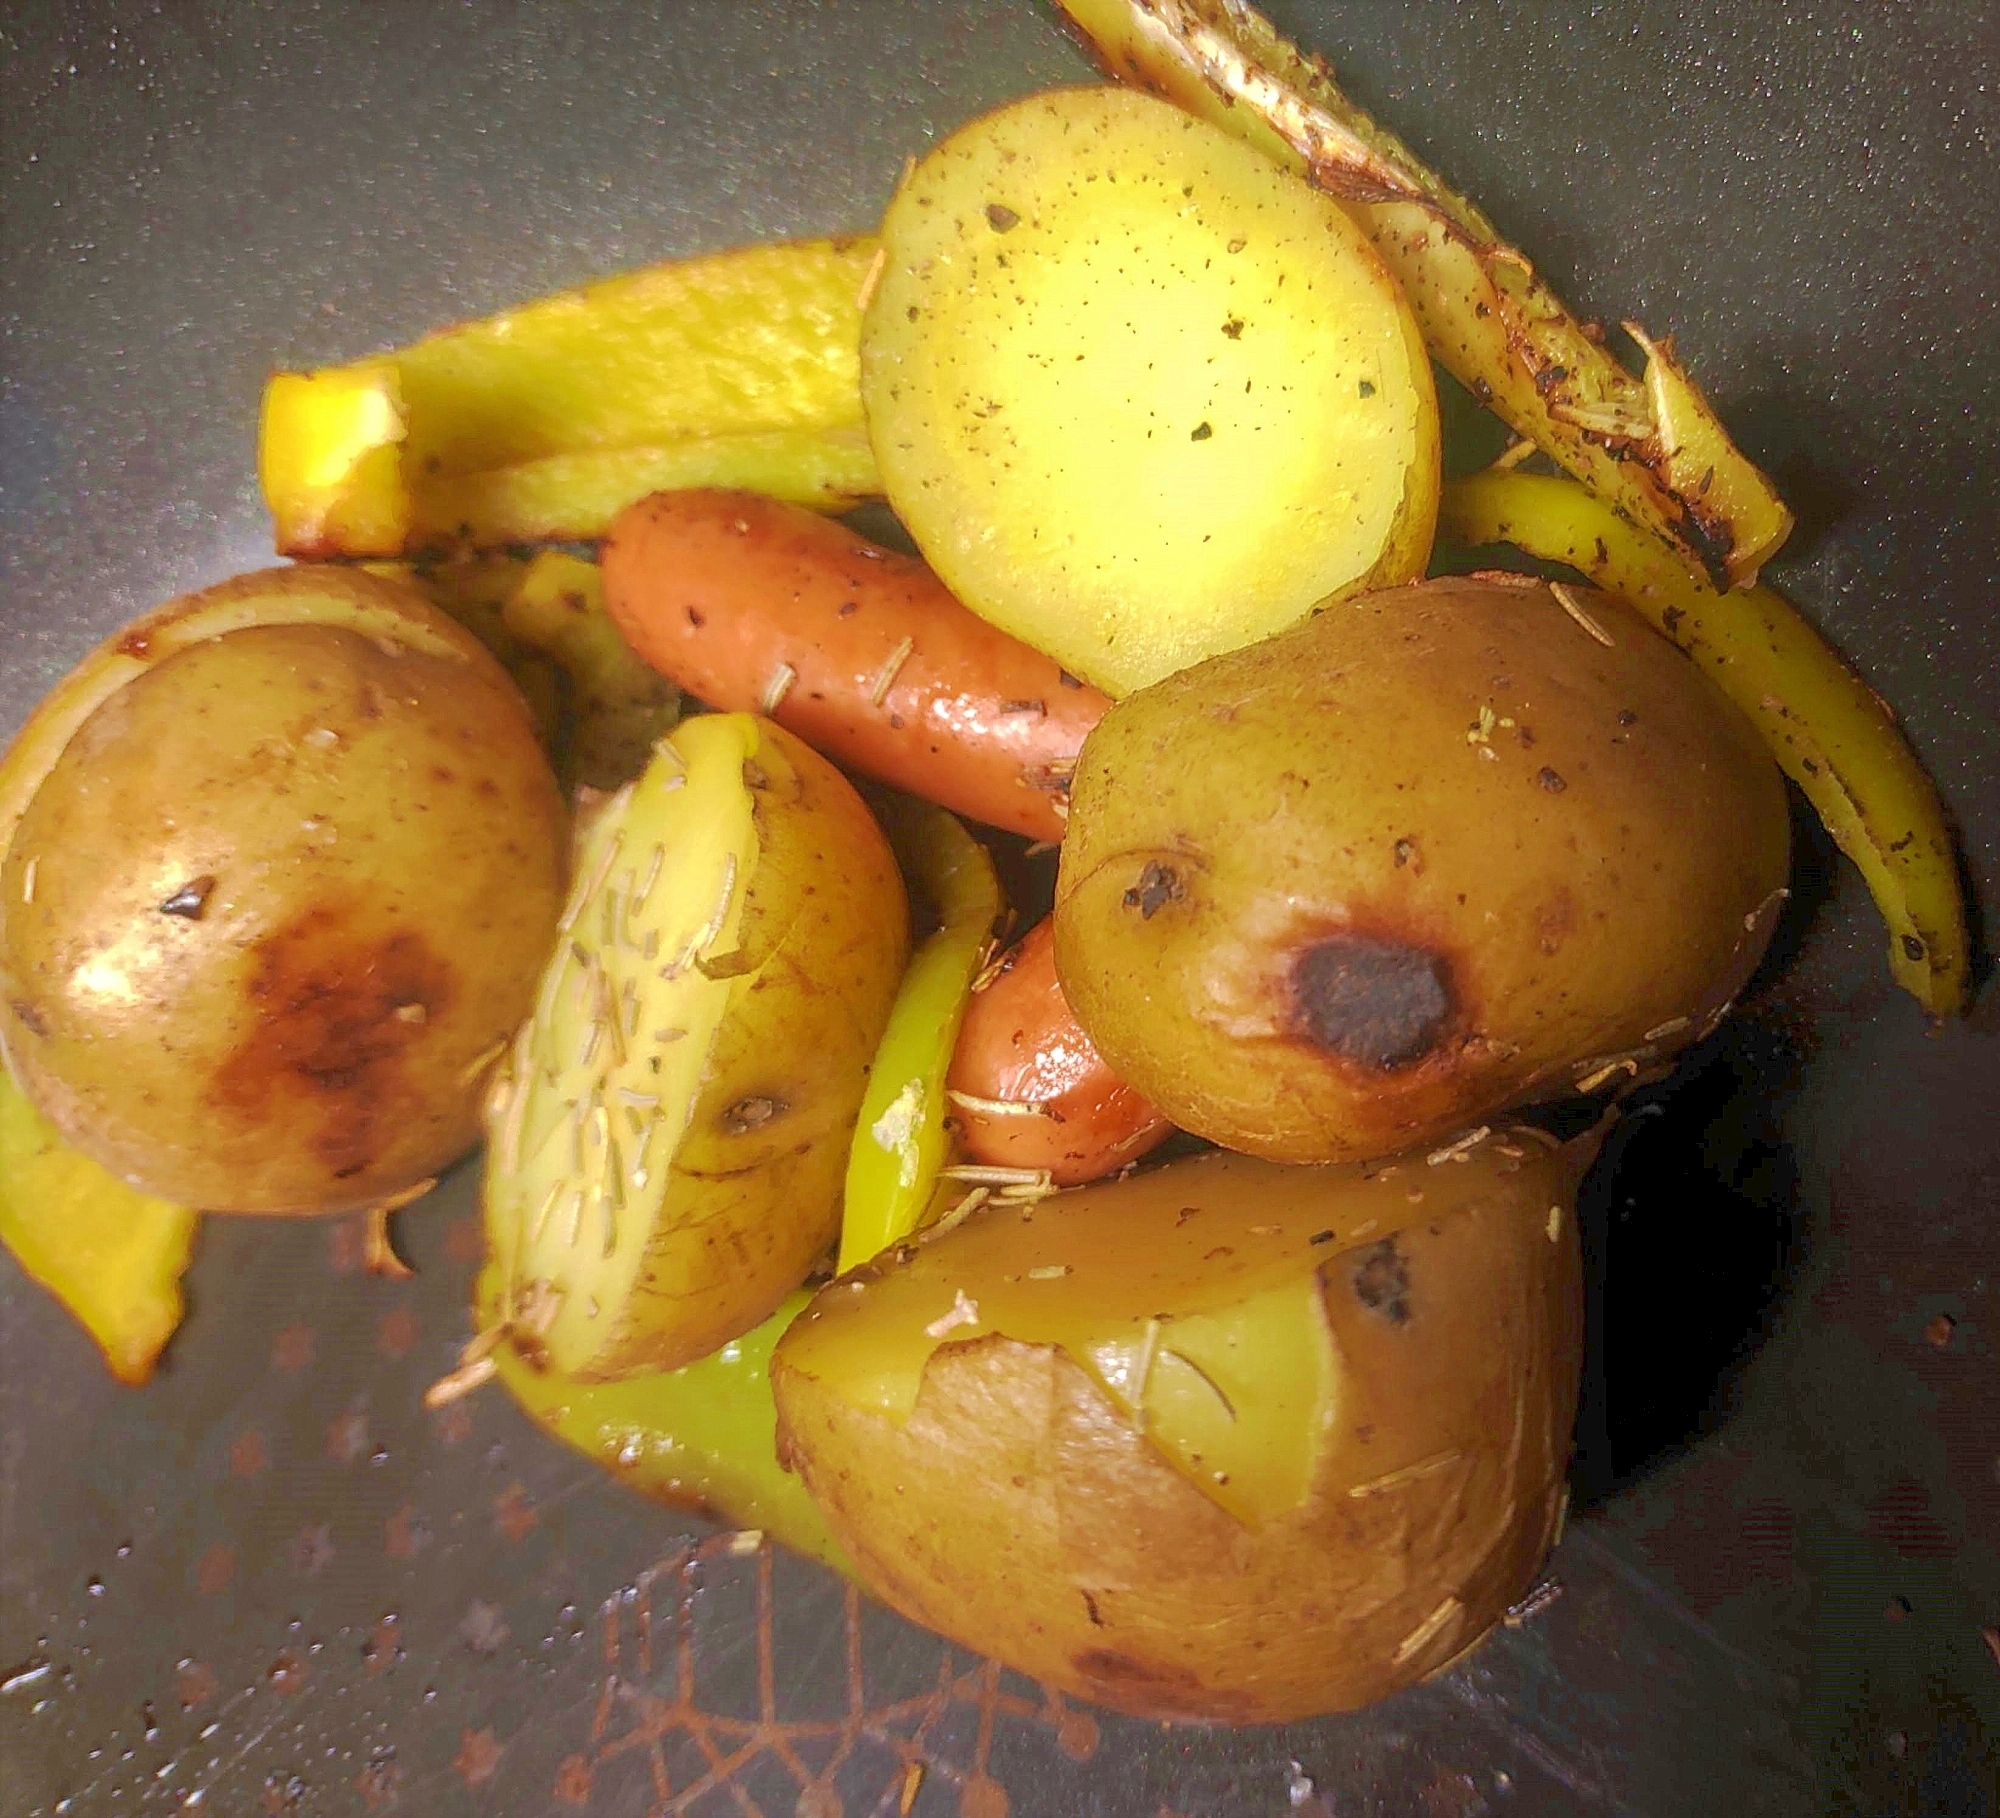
[666, 1144]
[1225, 1440]
[1138, 395]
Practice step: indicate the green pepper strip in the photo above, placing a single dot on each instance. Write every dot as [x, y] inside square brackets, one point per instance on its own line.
[702, 1437]
[900, 1142]
[1828, 730]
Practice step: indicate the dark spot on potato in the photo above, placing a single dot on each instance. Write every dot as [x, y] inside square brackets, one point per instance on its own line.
[1090, 1608]
[751, 1113]
[1150, 1689]
[1158, 885]
[1382, 1282]
[1404, 850]
[696, 619]
[190, 900]
[136, 644]
[1626, 717]
[1201, 432]
[326, 993]
[1551, 780]
[1372, 1001]
[1233, 328]
[1001, 218]
[1067, 680]
[29, 1017]
[1670, 619]
[1913, 949]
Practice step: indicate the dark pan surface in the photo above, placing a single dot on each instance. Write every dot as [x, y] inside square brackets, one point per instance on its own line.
[269, 1583]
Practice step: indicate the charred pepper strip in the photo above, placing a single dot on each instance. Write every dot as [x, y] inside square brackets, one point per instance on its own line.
[1829, 731]
[1652, 446]
[540, 423]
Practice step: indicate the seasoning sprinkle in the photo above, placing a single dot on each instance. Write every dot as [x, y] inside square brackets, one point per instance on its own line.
[1462, 1148]
[1408, 1474]
[1428, 1630]
[1672, 1026]
[886, 676]
[978, 1174]
[540, 1223]
[654, 866]
[28, 874]
[998, 1107]
[964, 1312]
[1591, 1081]
[744, 1542]
[481, 1061]
[958, 1214]
[459, 1383]
[1049, 1272]
[871, 280]
[1566, 598]
[598, 873]
[1555, 1223]
[1148, 1350]
[777, 688]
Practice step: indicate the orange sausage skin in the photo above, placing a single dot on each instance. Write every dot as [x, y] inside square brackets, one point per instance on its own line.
[722, 592]
[1021, 1044]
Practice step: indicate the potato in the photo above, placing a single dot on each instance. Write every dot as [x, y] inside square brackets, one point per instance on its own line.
[1438, 851]
[1139, 395]
[281, 863]
[667, 1140]
[1223, 1440]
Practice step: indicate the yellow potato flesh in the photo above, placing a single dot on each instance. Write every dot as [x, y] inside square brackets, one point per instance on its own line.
[276, 894]
[1137, 395]
[1019, 1433]
[666, 1143]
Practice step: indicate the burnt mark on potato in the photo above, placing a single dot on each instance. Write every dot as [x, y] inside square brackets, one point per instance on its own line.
[1375, 1002]
[752, 1113]
[1158, 885]
[1154, 1689]
[326, 995]
[190, 901]
[1381, 1281]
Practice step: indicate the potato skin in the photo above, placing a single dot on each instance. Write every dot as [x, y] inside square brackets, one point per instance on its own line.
[275, 898]
[1015, 1508]
[1435, 852]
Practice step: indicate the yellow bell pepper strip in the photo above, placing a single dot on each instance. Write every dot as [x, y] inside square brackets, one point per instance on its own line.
[737, 368]
[475, 590]
[112, 1255]
[900, 1142]
[702, 1437]
[1651, 446]
[1829, 731]
[617, 705]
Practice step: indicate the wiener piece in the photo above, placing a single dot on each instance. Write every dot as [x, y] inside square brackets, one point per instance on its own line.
[757, 606]
[1027, 1086]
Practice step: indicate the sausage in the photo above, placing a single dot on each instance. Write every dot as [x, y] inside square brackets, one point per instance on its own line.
[751, 604]
[1027, 1087]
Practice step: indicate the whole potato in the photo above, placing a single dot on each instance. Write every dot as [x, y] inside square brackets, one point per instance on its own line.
[1225, 1440]
[1439, 850]
[283, 862]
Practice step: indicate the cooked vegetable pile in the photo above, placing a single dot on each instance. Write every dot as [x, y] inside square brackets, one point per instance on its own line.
[816, 1188]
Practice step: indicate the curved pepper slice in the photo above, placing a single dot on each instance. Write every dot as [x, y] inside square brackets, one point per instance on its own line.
[900, 1142]
[1829, 731]
[702, 1437]
[111, 1254]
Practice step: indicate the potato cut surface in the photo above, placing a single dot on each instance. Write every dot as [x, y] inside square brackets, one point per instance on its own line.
[1138, 395]
[666, 1144]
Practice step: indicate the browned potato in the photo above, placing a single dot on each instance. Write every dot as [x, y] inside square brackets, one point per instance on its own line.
[1224, 1440]
[280, 865]
[1439, 850]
